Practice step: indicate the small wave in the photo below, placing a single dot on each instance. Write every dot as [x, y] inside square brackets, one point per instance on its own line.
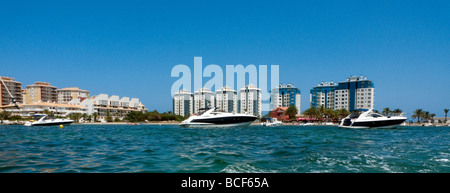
[245, 168]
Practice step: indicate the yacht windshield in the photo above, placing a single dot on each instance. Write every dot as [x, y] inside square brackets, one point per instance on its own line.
[355, 114]
[375, 115]
[37, 117]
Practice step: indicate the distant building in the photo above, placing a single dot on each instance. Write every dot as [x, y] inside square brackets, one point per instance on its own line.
[203, 98]
[27, 110]
[250, 100]
[285, 95]
[14, 87]
[278, 113]
[41, 92]
[323, 95]
[183, 103]
[354, 93]
[226, 99]
[67, 94]
[102, 104]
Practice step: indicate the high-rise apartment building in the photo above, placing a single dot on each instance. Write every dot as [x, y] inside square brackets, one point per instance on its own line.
[226, 100]
[354, 93]
[41, 92]
[14, 87]
[285, 95]
[203, 98]
[323, 95]
[183, 103]
[250, 100]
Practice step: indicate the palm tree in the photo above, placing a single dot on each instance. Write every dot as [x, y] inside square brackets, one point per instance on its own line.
[418, 113]
[397, 112]
[321, 111]
[446, 111]
[329, 113]
[95, 116]
[386, 111]
[85, 116]
[343, 113]
[311, 112]
[46, 111]
[426, 116]
[4, 115]
[432, 117]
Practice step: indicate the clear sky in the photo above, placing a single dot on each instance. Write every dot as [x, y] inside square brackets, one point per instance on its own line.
[128, 48]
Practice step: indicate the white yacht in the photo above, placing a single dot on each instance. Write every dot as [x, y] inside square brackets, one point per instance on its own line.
[44, 120]
[366, 118]
[211, 118]
[270, 122]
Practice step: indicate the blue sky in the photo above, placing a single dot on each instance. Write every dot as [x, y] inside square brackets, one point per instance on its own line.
[128, 48]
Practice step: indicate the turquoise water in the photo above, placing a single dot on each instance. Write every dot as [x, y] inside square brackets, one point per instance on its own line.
[255, 149]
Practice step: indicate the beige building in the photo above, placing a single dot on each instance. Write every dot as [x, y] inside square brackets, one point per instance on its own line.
[14, 87]
[67, 94]
[41, 92]
[27, 110]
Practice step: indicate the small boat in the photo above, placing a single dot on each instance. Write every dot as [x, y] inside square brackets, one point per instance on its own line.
[271, 122]
[45, 120]
[366, 118]
[211, 118]
[329, 124]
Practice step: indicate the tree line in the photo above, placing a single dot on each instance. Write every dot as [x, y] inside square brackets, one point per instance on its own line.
[326, 114]
[426, 116]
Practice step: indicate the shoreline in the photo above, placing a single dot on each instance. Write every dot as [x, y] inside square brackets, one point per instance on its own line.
[177, 123]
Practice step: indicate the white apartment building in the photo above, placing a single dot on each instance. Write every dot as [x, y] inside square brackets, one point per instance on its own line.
[67, 94]
[114, 101]
[183, 103]
[250, 100]
[355, 93]
[124, 102]
[203, 98]
[226, 99]
[323, 95]
[101, 104]
[285, 95]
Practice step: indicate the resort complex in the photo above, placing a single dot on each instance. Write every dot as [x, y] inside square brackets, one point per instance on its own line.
[354, 93]
[42, 97]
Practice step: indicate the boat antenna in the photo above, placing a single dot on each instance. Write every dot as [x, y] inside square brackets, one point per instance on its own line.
[12, 97]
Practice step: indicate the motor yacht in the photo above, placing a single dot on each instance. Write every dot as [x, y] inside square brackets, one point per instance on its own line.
[366, 118]
[212, 118]
[45, 120]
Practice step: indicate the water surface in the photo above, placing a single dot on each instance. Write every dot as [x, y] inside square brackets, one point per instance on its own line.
[170, 148]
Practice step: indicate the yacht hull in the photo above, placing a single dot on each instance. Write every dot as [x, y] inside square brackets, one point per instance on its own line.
[50, 123]
[388, 124]
[211, 125]
[210, 119]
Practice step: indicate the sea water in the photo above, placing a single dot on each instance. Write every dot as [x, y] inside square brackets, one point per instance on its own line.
[253, 149]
